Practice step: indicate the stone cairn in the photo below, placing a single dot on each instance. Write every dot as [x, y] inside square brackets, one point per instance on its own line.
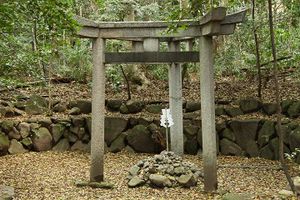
[164, 170]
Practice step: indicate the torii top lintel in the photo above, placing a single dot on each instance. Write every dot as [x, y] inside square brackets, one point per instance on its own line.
[214, 23]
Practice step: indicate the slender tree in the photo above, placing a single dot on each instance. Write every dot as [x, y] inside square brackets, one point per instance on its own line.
[257, 54]
[277, 96]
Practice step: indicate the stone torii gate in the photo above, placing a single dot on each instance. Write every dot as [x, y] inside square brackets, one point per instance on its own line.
[146, 37]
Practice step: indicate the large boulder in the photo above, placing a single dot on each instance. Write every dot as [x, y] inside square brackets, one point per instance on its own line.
[80, 146]
[114, 105]
[42, 139]
[294, 139]
[7, 126]
[139, 138]
[250, 105]
[16, 147]
[285, 105]
[192, 106]
[227, 133]
[118, 144]
[57, 131]
[266, 132]
[233, 111]
[245, 133]
[113, 128]
[266, 152]
[154, 108]
[190, 130]
[62, 145]
[85, 106]
[160, 180]
[269, 108]
[134, 106]
[4, 143]
[294, 109]
[191, 146]
[230, 148]
[36, 105]
[274, 146]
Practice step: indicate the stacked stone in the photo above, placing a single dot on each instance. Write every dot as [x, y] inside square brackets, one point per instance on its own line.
[164, 170]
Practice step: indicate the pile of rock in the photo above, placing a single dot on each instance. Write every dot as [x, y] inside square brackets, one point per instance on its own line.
[164, 170]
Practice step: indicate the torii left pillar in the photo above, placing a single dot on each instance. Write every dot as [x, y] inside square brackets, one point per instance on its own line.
[98, 112]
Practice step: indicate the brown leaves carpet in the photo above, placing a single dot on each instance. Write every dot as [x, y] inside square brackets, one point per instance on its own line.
[51, 175]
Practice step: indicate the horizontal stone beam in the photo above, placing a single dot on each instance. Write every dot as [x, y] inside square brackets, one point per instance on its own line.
[151, 57]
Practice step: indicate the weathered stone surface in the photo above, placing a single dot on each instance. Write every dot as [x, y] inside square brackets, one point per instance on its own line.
[266, 132]
[45, 122]
[249, 105]
[16, 147]
[74, 111]
[27, 142]
[266, 152]
[190, 130]
[296, 181]
[199, 137]
[61, 107]
[36, 105]
[294, 139]
[233, 111]
[113, 128]
[187, 180]
[228, 147]
[285, 104]
[286, 193]
[4, 143]
[71, 136]
[134, 106]
[286, 131]
[154, 108]
[160, 180]
[62, 145]
[42, 139]
[274, 146]
[294, 110]
[85, 106]
[135, 182]
[7, 125]
[7, 111]
[269, 108]
[236, 196]
[6, 192]
[78, 120]
[220, 111]
[134, 170]
[228, 134]
[139, 138]
[192, 106]
[114, 105]
[24, 129]
[80, 146]
[124, 109]
[244, 131]
[252, 148]
[14, 134]
[57, 131]
[118, 144]
[129, 149]
[191, 146]
[220, 127]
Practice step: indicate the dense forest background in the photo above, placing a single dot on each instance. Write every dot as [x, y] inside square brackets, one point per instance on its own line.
[38, 41]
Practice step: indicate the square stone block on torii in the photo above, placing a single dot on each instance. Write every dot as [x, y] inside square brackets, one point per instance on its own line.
[146, 37]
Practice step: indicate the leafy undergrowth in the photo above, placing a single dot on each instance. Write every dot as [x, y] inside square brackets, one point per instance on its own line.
[51, 175]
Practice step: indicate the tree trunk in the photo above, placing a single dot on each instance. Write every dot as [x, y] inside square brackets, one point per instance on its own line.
[258, 65]
[277, 94]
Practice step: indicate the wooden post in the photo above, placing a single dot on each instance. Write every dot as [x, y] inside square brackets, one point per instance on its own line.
[175, 101]
[208, 114]
[98, 112]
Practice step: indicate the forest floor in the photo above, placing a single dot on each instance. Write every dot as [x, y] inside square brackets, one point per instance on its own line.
[51, 175]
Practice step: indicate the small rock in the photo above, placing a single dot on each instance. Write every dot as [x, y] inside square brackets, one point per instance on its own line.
[62, 145]
[24, 129]
[160, 180]
[85, 106]
[233, 112]
[42, 139]
[187, 180]
[134, 170]
[16, 147]
[4, 144]
[6, 192]
[192, 106]
[74, 111]
[269, 108]
[27, 142]
[60, 108]
[286, 193]
[136, 181]
[14, 134]
[154, 108]
[79, 146]
[114, 105]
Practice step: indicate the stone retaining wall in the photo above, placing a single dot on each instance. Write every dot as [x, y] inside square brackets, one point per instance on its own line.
[235, 137]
